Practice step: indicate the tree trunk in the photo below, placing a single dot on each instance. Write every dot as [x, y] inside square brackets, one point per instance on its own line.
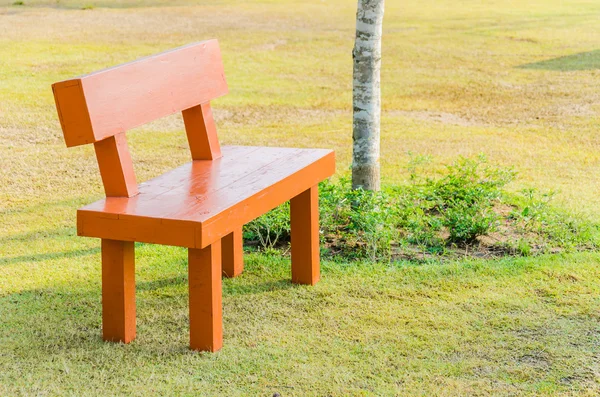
[366, 95]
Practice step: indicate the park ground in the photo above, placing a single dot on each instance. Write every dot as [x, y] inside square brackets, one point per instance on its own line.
[515, 80]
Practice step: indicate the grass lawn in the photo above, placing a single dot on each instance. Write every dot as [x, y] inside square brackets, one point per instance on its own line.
[516, 80]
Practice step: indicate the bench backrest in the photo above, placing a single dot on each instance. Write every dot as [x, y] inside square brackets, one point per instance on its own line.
[99, 107]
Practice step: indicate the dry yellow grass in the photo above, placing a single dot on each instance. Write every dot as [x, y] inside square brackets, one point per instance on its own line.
[455, 81]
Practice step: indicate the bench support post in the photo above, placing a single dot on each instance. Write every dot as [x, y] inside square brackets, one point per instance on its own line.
[206, 311]
[304, 209]
[116, 167]
[118, 291]
[201, 132]
[233, 253]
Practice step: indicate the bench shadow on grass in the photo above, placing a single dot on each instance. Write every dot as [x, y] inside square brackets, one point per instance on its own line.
[229, 288]
[51, 311]
[582, 61]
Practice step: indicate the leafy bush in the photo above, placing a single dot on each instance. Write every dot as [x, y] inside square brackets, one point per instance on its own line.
[357, 223]
[433, 216]
[271, 229]
[465, 198]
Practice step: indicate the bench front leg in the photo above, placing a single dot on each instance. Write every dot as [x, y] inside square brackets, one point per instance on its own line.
[118, 291]
[304, 211]
[233, 253]
[206, 311]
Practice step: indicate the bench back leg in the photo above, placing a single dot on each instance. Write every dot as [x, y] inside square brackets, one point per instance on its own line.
[304, 211]
[206, 311]
[118, 291]
[233, 253]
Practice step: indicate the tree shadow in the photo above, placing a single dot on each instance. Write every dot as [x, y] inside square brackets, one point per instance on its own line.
[48, 256]
[233, 289]
[230, 288]
[582, 61]
[40, 234]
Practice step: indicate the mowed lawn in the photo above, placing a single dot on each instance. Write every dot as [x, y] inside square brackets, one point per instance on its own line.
[516, 80]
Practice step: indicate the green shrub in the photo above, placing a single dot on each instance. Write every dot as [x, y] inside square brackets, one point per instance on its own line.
[358, 223]
[271, 229]
[432, 216]
[466, 222]
[465, 198]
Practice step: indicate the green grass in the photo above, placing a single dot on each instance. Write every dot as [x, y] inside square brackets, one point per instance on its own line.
[499, 328]
[516, 80]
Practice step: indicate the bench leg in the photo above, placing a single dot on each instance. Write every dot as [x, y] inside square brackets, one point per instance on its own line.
[304, 210]
[233, 253]
[206, 311]
[118, 291]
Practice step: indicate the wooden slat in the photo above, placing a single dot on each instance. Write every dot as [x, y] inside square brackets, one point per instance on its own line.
[142, 229]
[102, 104]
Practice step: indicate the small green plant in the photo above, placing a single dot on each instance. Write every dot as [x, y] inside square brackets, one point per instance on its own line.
[18, 3]
[524, 247]
[466, 196]
[88, 7]
[534, 214]
[466, 222]
[271, 228]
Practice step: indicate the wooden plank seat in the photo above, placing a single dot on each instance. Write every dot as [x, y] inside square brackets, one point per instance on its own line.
[200, 202]
[201, 205]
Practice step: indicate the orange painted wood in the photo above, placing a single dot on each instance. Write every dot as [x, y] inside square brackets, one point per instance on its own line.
[233, 253]
[304, 212]
[118, 291]
[202, 132]
[201, 205]
[73, 113]
[116, 167]
[203, 201]
[264, 190]
[102, 104]
[206, 308]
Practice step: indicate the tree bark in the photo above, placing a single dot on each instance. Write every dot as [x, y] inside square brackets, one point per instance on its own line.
[366, 95]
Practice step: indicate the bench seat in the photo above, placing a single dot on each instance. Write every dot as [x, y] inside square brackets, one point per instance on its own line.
[202, 201]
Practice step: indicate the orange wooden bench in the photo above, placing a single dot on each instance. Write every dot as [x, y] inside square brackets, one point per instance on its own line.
[201, 205]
